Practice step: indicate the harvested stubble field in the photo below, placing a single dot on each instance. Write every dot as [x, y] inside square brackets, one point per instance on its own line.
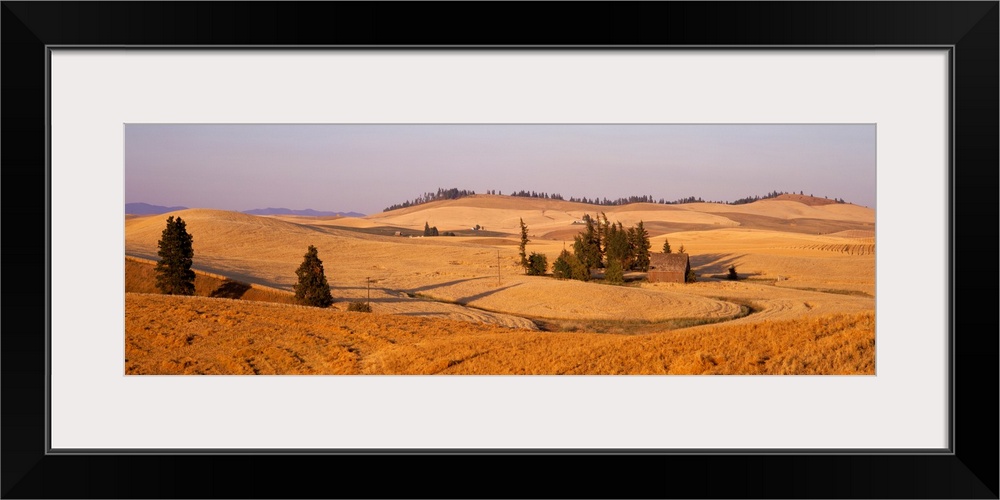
[201, 335]
[448, 308]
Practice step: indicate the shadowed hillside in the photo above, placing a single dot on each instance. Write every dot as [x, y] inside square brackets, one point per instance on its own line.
[140, 277]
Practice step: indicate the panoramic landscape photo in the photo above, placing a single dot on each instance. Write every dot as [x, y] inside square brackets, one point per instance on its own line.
[397, 249]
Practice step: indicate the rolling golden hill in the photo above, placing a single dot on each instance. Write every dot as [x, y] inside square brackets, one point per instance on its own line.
[799, 264]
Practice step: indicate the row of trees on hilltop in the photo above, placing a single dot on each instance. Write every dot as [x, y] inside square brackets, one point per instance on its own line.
[773, 194]
[453, 193]
[532, 194]
[174, 275]
[441, 194]
[600, 201]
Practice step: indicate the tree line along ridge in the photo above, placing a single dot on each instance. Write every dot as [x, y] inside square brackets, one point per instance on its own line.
[454, 194]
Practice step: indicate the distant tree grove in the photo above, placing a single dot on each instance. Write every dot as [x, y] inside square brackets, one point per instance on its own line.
[454, 193]
[441, 194]
[609, 246]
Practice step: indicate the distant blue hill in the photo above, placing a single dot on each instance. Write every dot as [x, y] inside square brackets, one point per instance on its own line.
[307, 212]
[147, 209]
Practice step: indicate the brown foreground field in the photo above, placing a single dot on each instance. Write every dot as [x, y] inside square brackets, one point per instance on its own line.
[804, 303]
[200, 335]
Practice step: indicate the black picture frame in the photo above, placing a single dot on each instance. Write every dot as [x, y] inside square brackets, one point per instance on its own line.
[970, 29]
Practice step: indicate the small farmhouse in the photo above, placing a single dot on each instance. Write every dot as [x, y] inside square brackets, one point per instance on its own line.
[668, 267]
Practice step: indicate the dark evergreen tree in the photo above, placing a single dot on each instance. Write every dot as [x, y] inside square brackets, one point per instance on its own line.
[587, 246]
[613, 274]
[561, 268]
[523, 247]
[602, 237]
[567, 266]
[732, 273]
[640, 246]
[537, 264]
[173, 272]
[427, 229]
[666, 246]
[616, 243]
[312, 288]
[632, 238]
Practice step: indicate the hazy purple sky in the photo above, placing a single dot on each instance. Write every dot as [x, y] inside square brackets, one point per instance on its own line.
[365, 168]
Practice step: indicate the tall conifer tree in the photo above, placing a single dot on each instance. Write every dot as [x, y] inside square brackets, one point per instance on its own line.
[641, 246]
[173, 272]
[524, 245]
[312, 288]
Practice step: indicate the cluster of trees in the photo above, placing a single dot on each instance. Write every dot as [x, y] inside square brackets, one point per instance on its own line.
[430, 230]
[441, 194]
[751, 199]
[605, 245]
[594, 201]
[618, 201]
[773, 194]
[602, 245]
[647, 199]
[532, 194]
[174, 275]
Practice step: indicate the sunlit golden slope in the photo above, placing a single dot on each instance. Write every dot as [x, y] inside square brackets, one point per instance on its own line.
[807, 271]
[502, 213]
[464, 270]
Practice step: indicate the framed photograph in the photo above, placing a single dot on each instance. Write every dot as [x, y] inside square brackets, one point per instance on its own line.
[617, 299]
[454, 173]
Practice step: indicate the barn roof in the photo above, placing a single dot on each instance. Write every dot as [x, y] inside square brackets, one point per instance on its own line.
[668, 262]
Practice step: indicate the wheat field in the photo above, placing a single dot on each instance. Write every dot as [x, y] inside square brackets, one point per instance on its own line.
[462, 304]
[203, 335]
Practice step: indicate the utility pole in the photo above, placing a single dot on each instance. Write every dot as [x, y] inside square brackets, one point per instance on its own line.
[498, 267]
[369, 280]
